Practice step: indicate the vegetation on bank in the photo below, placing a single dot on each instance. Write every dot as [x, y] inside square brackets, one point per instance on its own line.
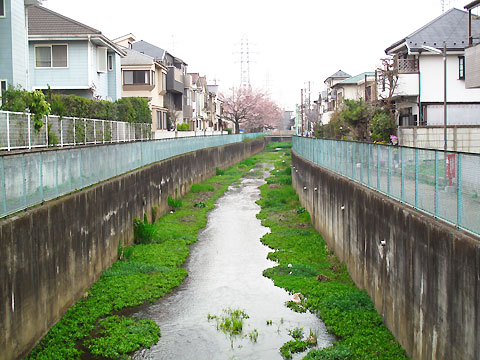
[144, 272]
[307, 266]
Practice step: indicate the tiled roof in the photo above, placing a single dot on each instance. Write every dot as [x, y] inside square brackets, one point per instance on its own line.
[451, 27]
[43, 21]
[135, 58]
[357, 78]
[148, 49]
[339, 74]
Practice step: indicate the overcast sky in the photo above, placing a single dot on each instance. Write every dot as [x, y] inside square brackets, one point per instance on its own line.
[291, 42]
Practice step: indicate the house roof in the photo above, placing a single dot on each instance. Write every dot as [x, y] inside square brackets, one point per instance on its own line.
[355, 80]
[339, 75]
[43, 21]
[451, 27]
[135, 58]
[149, 49]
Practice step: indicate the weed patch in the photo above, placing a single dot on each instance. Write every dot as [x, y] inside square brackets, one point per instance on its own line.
[348, 312]
[146, 272]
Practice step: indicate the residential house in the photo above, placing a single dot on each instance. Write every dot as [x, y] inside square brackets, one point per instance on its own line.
[71, 58]
[176, 90]
[418, 61]
[329, 100]
[215, 109]
[472, 52]
[362, 86]
[13, 40]
[199, 101]
[143, 76]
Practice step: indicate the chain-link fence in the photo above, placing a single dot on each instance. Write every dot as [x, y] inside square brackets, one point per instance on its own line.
[27, 179]
[17, 131]
[445, 185]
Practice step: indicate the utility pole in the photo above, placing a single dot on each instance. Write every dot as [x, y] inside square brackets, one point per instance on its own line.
[301, 107]
[445, 97]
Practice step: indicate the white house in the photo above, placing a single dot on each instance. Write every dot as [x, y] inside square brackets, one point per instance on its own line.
[417, 58]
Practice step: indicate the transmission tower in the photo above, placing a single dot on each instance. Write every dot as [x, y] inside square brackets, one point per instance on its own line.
[445, 5]
[244, 63]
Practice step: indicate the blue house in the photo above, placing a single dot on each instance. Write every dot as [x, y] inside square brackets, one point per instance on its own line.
[57, 52]
[13, 38]
[70, 57]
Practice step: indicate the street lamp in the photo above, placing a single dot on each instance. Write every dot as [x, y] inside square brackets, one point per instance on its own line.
[444, 53]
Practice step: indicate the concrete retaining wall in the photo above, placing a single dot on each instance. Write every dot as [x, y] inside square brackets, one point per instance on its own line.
[425, 281]
[52, 253]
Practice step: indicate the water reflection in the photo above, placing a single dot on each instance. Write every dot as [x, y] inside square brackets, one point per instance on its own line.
[225, 270]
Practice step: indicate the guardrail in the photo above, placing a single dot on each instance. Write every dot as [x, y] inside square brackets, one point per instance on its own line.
[17, 131]
[445, 185]
[29, 178]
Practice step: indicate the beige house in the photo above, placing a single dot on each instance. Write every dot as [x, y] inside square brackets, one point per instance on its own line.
[143, 76]
[361, 86]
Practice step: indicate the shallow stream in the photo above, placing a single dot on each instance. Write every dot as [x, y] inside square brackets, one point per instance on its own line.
[225, 271]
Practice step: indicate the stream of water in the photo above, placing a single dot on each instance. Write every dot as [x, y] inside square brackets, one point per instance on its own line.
[225, 271]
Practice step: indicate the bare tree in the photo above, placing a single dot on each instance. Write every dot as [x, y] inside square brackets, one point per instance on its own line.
[389, 83]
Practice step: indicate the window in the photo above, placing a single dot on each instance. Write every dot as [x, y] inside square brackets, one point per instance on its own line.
[136, 77]
[153, 77]
[2, 8]
[48, 56]
[3, 88]
[159, 119]
[110, 62]
[101, 59]
[461, 67]
[165, 121]
[164, 81]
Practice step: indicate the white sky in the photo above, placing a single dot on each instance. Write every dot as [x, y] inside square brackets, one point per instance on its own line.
[292, 42]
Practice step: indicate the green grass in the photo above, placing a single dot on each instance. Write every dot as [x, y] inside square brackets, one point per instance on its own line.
[302, 255]
[149, 270]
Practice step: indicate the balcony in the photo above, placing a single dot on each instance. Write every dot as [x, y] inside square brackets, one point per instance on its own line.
[175, 80]
[472, 67]
[407, 66]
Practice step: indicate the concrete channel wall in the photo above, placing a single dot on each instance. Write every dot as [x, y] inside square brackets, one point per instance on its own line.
[51, 254]
[425, 280]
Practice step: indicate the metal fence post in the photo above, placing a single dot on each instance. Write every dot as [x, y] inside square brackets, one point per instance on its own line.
[2, 184]
[103, 131]
[402, 175]
[389, 171]
[94, 132]
[85, 130]
[24, 182]
[56, 173]
[41, 176]
[369, 152]
[46, 129]
[29, 133]
[8, 131]
[416, 178]
[436, 183]
[459, 191]
[61, 133]
[74, 134]
[378, 167]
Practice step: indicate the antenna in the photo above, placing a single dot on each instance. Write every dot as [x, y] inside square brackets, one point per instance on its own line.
[445, 5]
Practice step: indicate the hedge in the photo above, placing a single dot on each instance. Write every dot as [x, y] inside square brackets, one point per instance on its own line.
[129, 109]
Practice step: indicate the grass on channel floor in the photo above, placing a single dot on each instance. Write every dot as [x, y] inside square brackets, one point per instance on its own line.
[306, 266]
[93, 328]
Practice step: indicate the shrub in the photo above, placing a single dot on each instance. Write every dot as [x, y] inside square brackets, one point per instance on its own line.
[174, 203]
[182, 127]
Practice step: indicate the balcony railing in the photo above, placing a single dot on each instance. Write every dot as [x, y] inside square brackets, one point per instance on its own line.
[406, 66]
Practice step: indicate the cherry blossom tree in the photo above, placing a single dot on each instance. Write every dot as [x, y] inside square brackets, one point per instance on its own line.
[251, 110]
